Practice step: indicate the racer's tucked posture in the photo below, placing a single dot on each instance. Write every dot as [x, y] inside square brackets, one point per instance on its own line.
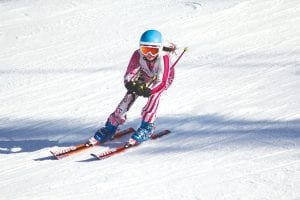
[148, 74]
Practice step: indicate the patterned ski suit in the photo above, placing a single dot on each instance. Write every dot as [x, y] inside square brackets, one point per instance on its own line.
[159, 72]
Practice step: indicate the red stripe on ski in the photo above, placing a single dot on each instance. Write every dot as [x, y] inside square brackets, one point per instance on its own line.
[123, 148]
[68, 151]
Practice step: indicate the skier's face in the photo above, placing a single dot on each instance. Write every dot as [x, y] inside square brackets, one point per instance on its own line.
[150, 52]
[149, 57]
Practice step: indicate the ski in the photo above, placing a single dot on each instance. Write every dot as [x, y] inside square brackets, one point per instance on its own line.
[68, 151]
[126, 146]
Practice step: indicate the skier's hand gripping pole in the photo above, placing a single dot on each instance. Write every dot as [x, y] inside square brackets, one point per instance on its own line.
[139, 87]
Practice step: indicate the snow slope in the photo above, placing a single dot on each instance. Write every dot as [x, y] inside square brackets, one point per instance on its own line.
[234, 107]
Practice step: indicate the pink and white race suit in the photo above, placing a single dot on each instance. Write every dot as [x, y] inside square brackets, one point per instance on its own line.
[159, 72]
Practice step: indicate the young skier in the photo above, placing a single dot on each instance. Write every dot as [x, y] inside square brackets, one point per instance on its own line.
[148, 75]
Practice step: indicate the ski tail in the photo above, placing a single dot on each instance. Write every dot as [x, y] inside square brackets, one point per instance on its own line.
[68, 151]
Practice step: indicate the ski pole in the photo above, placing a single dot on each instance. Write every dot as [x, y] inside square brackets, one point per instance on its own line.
[184, 50]
[152, 80]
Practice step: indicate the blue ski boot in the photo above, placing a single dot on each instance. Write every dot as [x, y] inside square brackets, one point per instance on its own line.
[143, 133]
[106, 133]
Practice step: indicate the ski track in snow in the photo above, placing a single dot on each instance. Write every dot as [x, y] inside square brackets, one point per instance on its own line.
[233, 108]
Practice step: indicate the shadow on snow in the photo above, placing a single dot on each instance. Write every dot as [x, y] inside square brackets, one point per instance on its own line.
[188, 133]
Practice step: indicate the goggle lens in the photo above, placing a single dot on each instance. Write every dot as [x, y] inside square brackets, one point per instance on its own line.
[149, 49]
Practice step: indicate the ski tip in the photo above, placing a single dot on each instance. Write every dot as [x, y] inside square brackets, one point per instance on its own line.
[163, 132]
[160, 134]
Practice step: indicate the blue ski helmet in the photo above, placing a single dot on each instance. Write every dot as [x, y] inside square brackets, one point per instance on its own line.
[151, 37]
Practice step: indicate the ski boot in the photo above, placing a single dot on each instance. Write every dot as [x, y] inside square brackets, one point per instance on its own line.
[104, 134]
[142, 134]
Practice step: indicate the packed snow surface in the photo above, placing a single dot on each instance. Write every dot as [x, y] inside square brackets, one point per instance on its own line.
[233, 109]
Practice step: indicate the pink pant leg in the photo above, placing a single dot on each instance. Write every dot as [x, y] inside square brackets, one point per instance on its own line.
[149, 110]
[118, 117]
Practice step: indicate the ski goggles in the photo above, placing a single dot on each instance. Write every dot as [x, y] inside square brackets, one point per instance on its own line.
[153, 50]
